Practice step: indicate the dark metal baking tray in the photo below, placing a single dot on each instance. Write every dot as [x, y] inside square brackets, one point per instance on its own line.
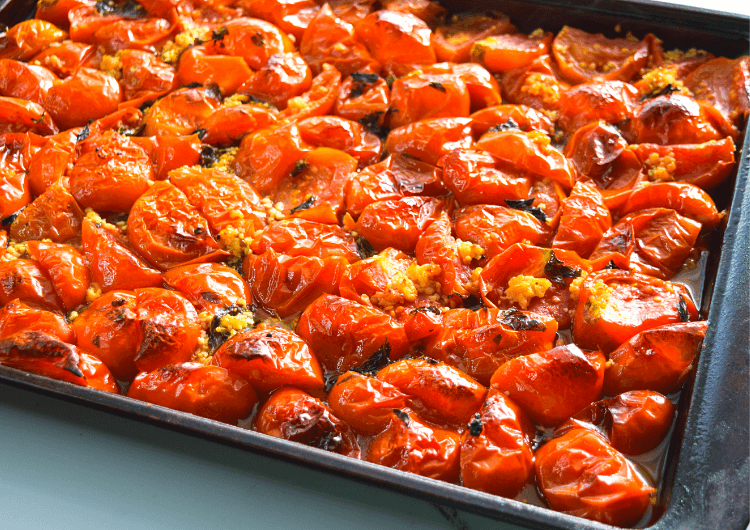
[705, 481]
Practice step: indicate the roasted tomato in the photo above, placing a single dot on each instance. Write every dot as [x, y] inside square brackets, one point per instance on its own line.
[585, 219]
[364, 97]
[208, 391]
[208, 286]
[453, 41]
[54, 215]
[656, 359]
[686, 199]
[614, 305]
[27, 38]
[419, 96]
[430, 139]
[14, 181]
[199, 65]
[180, 112]
[678, 119]
[536, 85]
[510, 117]
[445, 394]
[594, 148]
[168, 153]
[86, 95]
[552, 385]
[321, 97]
[271, 357]
[609, 101]
[26, 280]
[345, 135]
[501, 53]
[19, 116]
[581, 474]
[411, 445]
[145, 76]
[66, 267]
[108, 328]
[65, 58]
[496, 454]
[300, 237]
[284, 76]
[365, 403]
[227, 125]
[345, 334]
[294, 415]
[723, 83]
[16, 316]
[25, 81]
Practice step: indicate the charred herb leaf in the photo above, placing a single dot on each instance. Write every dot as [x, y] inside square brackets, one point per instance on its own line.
[200, 132]
[425, 309]
[370, 122]
[127, 9]
[665, 91]
[364, 248]
[210, 297]
[518, 321]
[219, 34]
[377, 360]
[209, 156]
[556, 270]
[473, 303]
[475, 425]
[611, 265]
[299, 167]
[403, 416]
[217, 338]
[437, 86]
[7, 221]
[309, 203]
[508, 125]
[682, 310]
[361, 77]
[40, 119]
[81, 136]
[526, 206]
[258, 40]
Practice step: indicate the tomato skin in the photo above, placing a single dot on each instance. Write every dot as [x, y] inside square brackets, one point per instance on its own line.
[14, 182]
[361, 98]
[54, 215]
[67, 269]
[344, 334]
[300, 237]
[678, 119]
[208, 286]
[27, 38]
[25, 81]
[525, 118]
[227, 125]
[421, 96]
[26, 280]
[208, 391]
[144, 75]
[180, 112]
[453, 42]
[445, 394]
[48, 166]
[65, 58]
[284, 76]
[536, 85]
[108, 328]
[42, 354]
[430, 139]
[398, 222]
[97, 374]
[552, 385]
[166, 229]
[686, 199]
[86, 95]
[657, 359]
[627, 303]
[437, 245]
[416, 447]
[365, 403]
[15, 316]
[582, 475]
[321, 97]
[57, 12]
[609, 101]
[111, 173]
[584, 221]
[594, 148]
[242, 39]
[372, 275]
[168, 153]
[294, 415]
[342, 134]
[501, 53]
[499, 459]
[168, 328]
[722, 82]
[199, 65]
[18, 116]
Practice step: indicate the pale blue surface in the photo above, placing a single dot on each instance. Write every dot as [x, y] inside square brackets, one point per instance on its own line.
[65, 466]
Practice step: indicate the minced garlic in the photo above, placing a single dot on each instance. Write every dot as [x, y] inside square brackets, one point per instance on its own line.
[661, 168]
[521, 289]
[93, 292]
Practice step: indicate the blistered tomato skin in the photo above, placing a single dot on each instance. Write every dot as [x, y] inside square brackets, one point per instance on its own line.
[208, 286]
[26, 280]
[66, 268]
[16, 316]
[208, 391]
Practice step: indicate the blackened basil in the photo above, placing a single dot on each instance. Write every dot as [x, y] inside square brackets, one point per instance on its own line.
[309, 203]
[475, 425]
[403, 416]
[682, 310]
[437, 86]
[364, 248]
[526, 206]
[518, 321]
[556, 270]
[379, 359]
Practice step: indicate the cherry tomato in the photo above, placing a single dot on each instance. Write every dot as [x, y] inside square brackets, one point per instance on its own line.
[364, 97]
[166, 229]
[25, 81]
[437, 246]
[208, 286]
[169, 153]
[144, 75]
[198, 65]
[86, 95]
[66, 57]
[656, 359]
[593, 150]
[585, 219]
[364, 279]
[426, 10]
[252, 39]
[496, 454]
[14, 183]
[419, 96]
[284, 76]
[56, 12]
[552, 385]
[321, 97]
[510, 116]
[97, 374]
[291, 16]
[271, 357]
[610, 101]
[582, 475]
[409, 444]
[500, 53]
[454, 41]
[342, 134]
[108, 328]
[687, 199]
[614, 305]
[208, 391]
[67, 269]
[18, 116]
[49, 166]
[722, 83]
[180, 112]
[294, 415]
[227, 125]
[365, 403]
[430, 139]
[300, 237]
[26, 280]
[38, 353]
[24, 40]
[536, 85]
[16, 316]
[54, 215]
[678, 119]
[168, 328]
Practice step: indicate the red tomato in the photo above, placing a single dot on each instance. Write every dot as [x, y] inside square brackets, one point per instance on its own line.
[67, 269]
[168, 153]
[18, 116]
[252, 39]
[454, 41]
[86, 95]
[510, 116]
[501, 53]
[482, 87]
[582, 475]
[16, 316]
[293, 415]
[300, 237]
[25, 81]
[14, 182]
[430, 139]
[364, 97]
[409, 444]
[656, 359]
[144, 75]
[585, 219]
[54, 215]
[427, 10]
[685, 198]
[437, 245]
[284, 285]
[38, 353]
[168, 328]
[284, 76]
[97, 374]
[27, 38]
[723, 83]
[49, 166]
[208, 391]
[227, 125]
[319, 100]
[198, 64]
[593, 150]
[208, 286]
[113, 263]
[26, 280]
[536, 85]
[614, 305]
[291, 16]
[342, 134]
[65, 58]
[166, 229]
[270, 357]
[365, 403]
[608, 101]
[552, 385]
[57, 12]
[496, 454]
[108, 328]
[344, 334]
[180, 112]
[419, 96]
[678, 119]
[371, 276]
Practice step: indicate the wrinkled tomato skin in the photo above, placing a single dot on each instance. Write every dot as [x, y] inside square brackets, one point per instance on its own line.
[113, 263]
[415, 447]
[48, 166]
[608, 101]
[168, 153]
[344, 334]
[415, 98]
[166, 229]
[582, 475]
[168, 328]
[430, 139]
[501, 53]
[145, 75]
[227, 125]
[319, 99]
[286, 75]
[722, 83]
[57, 12]
[26, 280]
[241, 38]
[593, 148]
[398, 223]
[87, 95]
[24, 40]
[640, 421]
[498, 460]
[198, 65]
[67, 269]
[365, 403]
[345, 135]
[453, 42]
[97, 374]
[584, 220]
[67, 57]
[525, 118]
[25, 81]
[14, 181]
[677, 119]
[300, 237]
[20, 116]
[271, 357]
[438, 246]
[108, 328]
[372, 275]
[446, 394]
[54, 215]
[293, 415]
[686, 199]
[370, 105]
[657, 359]
[208, 391]
[16, 316]
[627, 303]
[553, 385]
[536, 85]
[208, 286]
[482, 87]
[38, 353]
[284, 285]
[180, 112]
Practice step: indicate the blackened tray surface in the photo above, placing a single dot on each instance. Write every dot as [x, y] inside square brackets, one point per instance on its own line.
[705, 483]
